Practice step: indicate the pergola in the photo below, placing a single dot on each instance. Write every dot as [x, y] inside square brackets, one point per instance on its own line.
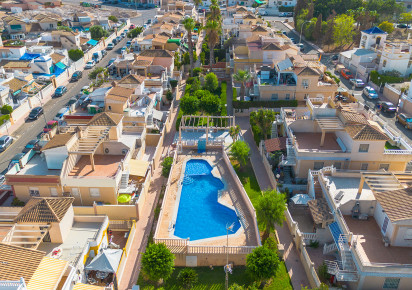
[329, 124]
[90, 138]
[205, 123]
[25, 235]
[379, 181]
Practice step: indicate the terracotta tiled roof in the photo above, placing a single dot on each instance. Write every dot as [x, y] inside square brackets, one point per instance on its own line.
[352, 117]
[106, 119]
[142, 62]
[14, 63]
[365, 132]
[15, 84]
[249, 16]
[259, 29]
[57, 57]
[16, 21]
[121, 92]
[320, 211]
[165, 34]
[397, 204]
[275, 144]
[308, 71]
[131, 79]
[58, 140]
[44, 210]
[271, 46]
[35, 27]
[156, 53]
[18, 262]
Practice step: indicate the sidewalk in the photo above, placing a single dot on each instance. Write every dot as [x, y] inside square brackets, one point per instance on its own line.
[145, 222]
[291, 257]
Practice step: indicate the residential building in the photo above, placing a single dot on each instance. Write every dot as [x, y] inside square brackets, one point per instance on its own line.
[29, 4]
[342, 135]
[66, 39]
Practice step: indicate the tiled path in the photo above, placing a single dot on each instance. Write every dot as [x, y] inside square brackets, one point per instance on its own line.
[144, 224]
[295, 268]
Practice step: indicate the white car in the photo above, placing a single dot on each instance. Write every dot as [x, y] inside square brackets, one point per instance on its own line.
[90, 64]
[370, 93]
[358, 83]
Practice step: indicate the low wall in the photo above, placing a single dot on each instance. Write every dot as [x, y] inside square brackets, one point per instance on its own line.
[5, 127]
[114, 212]
[159, 150]
[126, 253]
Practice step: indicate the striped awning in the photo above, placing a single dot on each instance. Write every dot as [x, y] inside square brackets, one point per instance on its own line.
[81, 286]
[48, 275]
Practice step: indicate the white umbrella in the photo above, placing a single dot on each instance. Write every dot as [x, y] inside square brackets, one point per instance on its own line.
[301, 198]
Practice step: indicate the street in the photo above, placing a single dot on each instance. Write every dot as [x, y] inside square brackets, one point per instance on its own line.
[31, 129]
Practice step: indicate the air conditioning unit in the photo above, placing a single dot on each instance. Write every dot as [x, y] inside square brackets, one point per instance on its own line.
[305, 86]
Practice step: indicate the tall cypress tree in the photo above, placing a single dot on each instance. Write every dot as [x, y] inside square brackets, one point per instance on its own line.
[317, 32]
[300, 5]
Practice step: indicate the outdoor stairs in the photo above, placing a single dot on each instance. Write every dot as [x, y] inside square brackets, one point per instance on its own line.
[149, 120]
[124, 181]
[318, 188]
[290, 158]
[287, 177]
[274, 131]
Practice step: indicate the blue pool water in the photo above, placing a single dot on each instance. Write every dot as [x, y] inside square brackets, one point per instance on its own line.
[200, 216]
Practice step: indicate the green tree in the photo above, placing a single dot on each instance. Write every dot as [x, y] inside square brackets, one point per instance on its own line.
[240, 151]
[189, 104]
[387, 26]
[135, 32]
[113, 18]
[270, 210]
[157, 262]
[213, 32]
[196, 85]
[236, 286]
[93, 74]
[187, 277]
[211, 82]
[169, 95]
[214, 14]
[271, 244]
[343, 31]
[322, 286]
[189, 25]
[242, 77]
[234, 132]
[317, 32]
[6, 109]
[406, 18]
[97, 32]
[263, 119]
[262, 263]
[75, 54]
[300, 5]
[210, 104]
[166, 166]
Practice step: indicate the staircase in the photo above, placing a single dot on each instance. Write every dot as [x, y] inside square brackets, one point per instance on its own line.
[149, 121]
[287, 177]
[124, 181]
[327, 249]
[274, 131]
[290, 159]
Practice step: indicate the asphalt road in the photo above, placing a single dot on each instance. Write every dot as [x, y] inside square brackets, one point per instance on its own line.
[31, 129]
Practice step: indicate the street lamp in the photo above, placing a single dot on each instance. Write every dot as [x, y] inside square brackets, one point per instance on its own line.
[41, 104]
[301, 29]
[227, 267]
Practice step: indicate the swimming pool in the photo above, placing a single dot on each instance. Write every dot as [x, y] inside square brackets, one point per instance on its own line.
[199, 215]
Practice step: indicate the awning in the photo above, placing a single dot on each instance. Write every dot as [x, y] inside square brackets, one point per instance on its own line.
[260, 2]
[92, 42]
[107, 261]
[81, 286]
[301, 199]
[159, 115]
[138, 167]
[48, 274]
[61, 65]
[174, 40]
[319, 209]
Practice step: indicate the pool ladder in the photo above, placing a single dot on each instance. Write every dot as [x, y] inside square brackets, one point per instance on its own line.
[187, 180]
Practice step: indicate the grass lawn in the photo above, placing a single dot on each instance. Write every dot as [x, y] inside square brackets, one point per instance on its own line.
[390, 146]
[215, 279]
[248, 179]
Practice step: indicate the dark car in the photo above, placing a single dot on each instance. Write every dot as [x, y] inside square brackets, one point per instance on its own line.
[60, 91]
[335, 57]
[71, 102]
[33, 144]
[76, 76]
[35, 113]
[386, 107]
[85, 103]
[5, 141]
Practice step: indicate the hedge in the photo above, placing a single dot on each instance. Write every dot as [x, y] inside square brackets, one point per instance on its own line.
[223, 99]
[4, 119]
[264, 104]
[380, 79]
[335, 78]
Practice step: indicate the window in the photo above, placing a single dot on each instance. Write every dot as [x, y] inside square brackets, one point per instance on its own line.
[34, 191]
[109, 108]
[384, 166]
[305, 83]
[94, 192]
[364, 166]
[274, 97]
[53, 191]
[51, 25]
[384, 63]
[408, 235]
[385, 225]
[391, 283]
[363, 148]
[287, 97]
[337, 165]
[318, 165]
[75, 191]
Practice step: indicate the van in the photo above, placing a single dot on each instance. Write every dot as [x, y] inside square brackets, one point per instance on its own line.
[60, 114]
[97, 56]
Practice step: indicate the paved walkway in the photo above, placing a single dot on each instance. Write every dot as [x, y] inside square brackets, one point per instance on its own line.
[145, 222]
[295, 268]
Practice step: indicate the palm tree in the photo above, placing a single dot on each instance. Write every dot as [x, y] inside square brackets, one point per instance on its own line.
[197, 3]
[242, 77]
[189, 25]
[215, 11]
[270, 210]
[234, 132]
[264, 120]
[213, 31]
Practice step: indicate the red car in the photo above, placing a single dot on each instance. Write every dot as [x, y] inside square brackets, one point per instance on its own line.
[346, 74]
[132, 26]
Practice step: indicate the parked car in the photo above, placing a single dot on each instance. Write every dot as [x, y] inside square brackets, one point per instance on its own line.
[61, 113]
[292, 39]
[123, 50]
[335, 57]
[346, 74]
[110, 46]
[114, 41]
[128, 43]
[405, 120]
[370, 92]
[402, 25]
[132, 26]
[301, 46]
[50, 126]
[85, 103]
[90, 64]
[358, 83]
[122, 35]
[118, 39]
[35, 113]
[112, 60]
[104, 52]
[60, 91]
[76, 76]
[5, 142]
[71, 102]
[33, 144]
[386, 107]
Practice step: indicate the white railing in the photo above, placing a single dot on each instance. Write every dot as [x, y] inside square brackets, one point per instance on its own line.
[329, 248]
[232, 250]
[310, 237]
[172, 242]
[400, 152]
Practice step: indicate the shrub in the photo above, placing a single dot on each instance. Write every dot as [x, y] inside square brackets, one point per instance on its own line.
[187, 278]
[75, 54]
[313, 244]
[113, 18]
[271, 244]
[169, 95]
[210, 104]
[197, 71]
[190, 80]
[157, 262]
[6, 109]
[95, 72]
[235, 286]
[240, 151]
[264, 104]
[173, 83]
[17, 202]
[323, 272]
[189, 104]
[380, 79]
[335, 78]
[167, 165]
[262, 263]
[4, 119]
[97, 32]
[211, 82]
[223, 99]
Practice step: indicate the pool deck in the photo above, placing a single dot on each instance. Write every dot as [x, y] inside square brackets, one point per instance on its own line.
[229, 196]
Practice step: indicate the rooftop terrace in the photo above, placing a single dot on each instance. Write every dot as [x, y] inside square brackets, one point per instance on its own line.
[311, 142]
[38, 166]
[104, 165]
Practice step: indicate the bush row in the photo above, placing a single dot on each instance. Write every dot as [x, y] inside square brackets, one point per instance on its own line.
[264, 104]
